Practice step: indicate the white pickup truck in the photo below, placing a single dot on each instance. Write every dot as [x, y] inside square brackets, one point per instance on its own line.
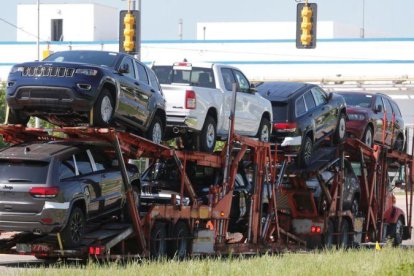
[198, 103]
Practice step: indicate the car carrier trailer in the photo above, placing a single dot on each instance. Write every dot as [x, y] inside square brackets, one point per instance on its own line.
[281, 212]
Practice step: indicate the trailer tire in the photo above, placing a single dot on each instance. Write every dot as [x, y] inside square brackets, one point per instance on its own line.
[344, 236]
[328, 237]
[158, 243]
[181, 240]
[73, 231]
[397, 232]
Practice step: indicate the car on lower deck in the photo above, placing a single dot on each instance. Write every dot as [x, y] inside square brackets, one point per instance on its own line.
[366, 114]
[99, 88]
[55, 187]
[304, 115]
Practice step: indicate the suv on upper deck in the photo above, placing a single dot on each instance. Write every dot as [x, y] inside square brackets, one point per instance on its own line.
[95, 87]
[59, 186]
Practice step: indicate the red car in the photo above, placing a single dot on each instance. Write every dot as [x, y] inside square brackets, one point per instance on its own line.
[366, 114]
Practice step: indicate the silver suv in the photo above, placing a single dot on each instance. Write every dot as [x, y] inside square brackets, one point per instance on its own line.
[58, 187]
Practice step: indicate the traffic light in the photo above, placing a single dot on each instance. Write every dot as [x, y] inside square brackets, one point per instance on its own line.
[129, 31]
[306, 26]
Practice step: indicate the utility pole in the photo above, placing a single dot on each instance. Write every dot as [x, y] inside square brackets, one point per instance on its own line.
[362, 32]
[37, 120]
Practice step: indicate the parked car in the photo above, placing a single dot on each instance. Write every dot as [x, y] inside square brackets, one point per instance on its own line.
[199, 99]
[304, 115]
[96, 87]
[59, 186]
[366, 119]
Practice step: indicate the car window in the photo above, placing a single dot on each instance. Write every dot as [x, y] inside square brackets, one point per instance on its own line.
[153, 80]
[128, 62]
[102, 160]
[164, 73]
[388, 107]
[309, 100]
[319, 95]
[142, 73]
[228, 78]
[378, 102]
[23, 171]
[83, 163]
[67, 168]
[361, 100]
[300, 106]
[396, 109]
[243, 83]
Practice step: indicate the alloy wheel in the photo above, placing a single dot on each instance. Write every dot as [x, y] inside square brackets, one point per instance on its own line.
[106, 109]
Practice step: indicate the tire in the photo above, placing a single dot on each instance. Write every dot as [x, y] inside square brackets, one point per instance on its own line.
[15, 117]
[344, 236]
[328, 237]
[208, 135]
[399, 144]
[354, 206]
[103, 109]
[340, 130]
[72, 234]
[190, 141]
[155, 132]
[398, 232]
[263, 134]
[158, 243]
[305, 155]
[180, 244]
[368, 137]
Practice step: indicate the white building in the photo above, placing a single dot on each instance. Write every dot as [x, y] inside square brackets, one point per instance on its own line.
[67, 22]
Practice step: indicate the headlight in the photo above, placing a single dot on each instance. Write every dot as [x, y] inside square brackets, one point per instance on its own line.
[88, 72]
[17, 69]
[356, 117]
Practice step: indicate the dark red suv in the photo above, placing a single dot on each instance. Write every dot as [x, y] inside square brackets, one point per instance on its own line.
[367, 113]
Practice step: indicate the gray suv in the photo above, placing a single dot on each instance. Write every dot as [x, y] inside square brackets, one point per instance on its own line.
[58, 187]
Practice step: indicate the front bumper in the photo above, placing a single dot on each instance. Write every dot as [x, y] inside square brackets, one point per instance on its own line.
[50, 99]
[355, 129]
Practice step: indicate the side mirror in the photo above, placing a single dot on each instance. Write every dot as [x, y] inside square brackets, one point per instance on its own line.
[378, 108]
[124, 69]
[330, 95]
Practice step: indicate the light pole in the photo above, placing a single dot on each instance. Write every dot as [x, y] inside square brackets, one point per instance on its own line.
[362, 31]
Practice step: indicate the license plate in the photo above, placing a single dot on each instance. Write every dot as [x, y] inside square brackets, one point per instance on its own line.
[40, 248]
[23, 248]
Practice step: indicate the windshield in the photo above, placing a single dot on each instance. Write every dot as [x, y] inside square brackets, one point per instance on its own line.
[196, 76]
[23, 171]
[87, 57]
[357, 99]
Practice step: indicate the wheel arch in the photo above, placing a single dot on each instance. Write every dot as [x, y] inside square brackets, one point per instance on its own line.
[77, 202]
[212, 111]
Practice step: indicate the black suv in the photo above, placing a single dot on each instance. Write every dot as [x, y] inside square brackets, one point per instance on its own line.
[58, 187]
[95, 87]
[304, 115]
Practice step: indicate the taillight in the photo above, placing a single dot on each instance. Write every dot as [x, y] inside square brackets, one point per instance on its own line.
[190, 99]
[316, 229]
[96, 250]
[285, 127]
[44, 192]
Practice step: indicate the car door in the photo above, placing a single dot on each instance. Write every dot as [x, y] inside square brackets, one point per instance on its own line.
[110, 178]
[228, 80]
[389, 121]
[378, 115]
[93, 190]
[128, 106]
[250, 111]
[323, 114]
[398, 120]
[143, 93]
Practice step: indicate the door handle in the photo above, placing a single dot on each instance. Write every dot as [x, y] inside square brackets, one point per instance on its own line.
[137, 83]
[152, 90]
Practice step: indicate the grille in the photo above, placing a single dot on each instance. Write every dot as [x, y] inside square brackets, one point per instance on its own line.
[47, 71]
[43, 93]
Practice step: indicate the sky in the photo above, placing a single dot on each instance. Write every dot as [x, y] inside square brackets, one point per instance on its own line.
[389, 18]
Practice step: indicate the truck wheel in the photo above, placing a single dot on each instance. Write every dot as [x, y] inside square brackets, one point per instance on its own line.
[398, 232]
[305, 155]
[158, 243]
[208, 135]
[156, 130]
[180, 243]
[340, 130]
[344, 238]
[15, 117]
[103, 109]
[328, 237]
[263, 134]
[73, 232]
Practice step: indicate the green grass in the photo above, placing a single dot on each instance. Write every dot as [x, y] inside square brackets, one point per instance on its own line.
[388, 261]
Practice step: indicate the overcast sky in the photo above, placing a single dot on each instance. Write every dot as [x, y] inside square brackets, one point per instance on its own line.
[160, 17]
